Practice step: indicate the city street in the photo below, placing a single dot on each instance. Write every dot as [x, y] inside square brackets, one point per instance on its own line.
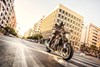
[16, 52]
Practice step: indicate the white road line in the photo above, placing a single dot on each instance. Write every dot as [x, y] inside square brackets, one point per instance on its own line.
[81, 63]
[86, 60]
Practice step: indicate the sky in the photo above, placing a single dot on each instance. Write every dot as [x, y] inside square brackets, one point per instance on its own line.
[28, 12]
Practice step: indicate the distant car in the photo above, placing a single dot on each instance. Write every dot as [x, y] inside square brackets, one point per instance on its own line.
[78, 52]
[31, 40]
[82, 54]
[10, 35]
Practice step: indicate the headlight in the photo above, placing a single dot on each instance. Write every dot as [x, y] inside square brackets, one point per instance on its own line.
[67, 35]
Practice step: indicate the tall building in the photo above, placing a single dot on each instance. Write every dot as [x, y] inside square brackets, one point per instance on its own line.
[72, 20]
[28, 33]
[7, 13]
[93, 36]
[36, 28]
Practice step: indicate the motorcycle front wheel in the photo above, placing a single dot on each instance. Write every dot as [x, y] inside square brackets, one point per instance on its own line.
[67, 52]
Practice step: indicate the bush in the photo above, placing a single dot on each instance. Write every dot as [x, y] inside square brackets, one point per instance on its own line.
[36, 37]
[10, 30]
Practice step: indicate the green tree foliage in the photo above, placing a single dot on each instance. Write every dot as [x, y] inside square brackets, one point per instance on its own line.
[93, 47]
[36, 37]
[11, 30]
[1, 30]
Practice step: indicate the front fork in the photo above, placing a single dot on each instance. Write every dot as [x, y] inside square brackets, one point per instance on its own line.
[64, 46]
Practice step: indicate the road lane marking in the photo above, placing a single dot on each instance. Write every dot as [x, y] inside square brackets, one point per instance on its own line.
[81, 63]
[85, 61]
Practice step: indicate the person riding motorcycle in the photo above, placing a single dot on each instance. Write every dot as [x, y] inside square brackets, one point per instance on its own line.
[59, 42]
[58, 27]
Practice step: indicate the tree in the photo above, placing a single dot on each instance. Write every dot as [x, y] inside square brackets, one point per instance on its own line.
[36, 37]
[11, 30]
[0, 30]
[93, 47]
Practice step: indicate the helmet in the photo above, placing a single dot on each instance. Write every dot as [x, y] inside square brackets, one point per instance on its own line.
[61, 24]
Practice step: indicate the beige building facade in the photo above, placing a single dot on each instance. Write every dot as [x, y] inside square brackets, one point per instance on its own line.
[93, 37]
[36, 28]
[71, 19]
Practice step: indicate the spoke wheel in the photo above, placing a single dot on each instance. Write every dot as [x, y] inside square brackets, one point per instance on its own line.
[67, 52]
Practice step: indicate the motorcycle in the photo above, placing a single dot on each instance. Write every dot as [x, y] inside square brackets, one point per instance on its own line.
[61, 45]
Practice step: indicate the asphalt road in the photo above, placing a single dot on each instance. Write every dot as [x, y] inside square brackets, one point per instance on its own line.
[16, 52]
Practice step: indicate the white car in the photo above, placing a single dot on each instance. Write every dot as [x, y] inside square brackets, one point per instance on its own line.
[82, 54]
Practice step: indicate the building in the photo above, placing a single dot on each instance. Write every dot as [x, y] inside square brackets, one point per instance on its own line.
[36, 28]
[28, 33]
[98, 44]
[72, 20]
[93, 35]
[7, 13]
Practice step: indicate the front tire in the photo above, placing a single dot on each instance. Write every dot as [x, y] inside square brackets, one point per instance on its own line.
[67, 53]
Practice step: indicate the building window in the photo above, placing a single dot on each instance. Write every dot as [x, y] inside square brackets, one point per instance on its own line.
[78, 24]
[2, 22]
[7, 21]
[63, 12]
[62, 17]
[69, 15]
[95, 37]
[4, 2]
[65, 18]
[95, 33]
[10, 1]
[74, 17]
[94, 40]
[3, 8]
[59, 15]
[93, 43]
[78, 29]
[9, 13]
[1, 14]
[60, 10]
[75, 28]
[67, 24]
[8, 18]
[7, 9]
[77, 33]
[68, 19]
[70, 26]
[66, 13]
[4, 18]
[5, 13]
[58, 20]
[8, 4]
[79, 20]
[71, 21]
